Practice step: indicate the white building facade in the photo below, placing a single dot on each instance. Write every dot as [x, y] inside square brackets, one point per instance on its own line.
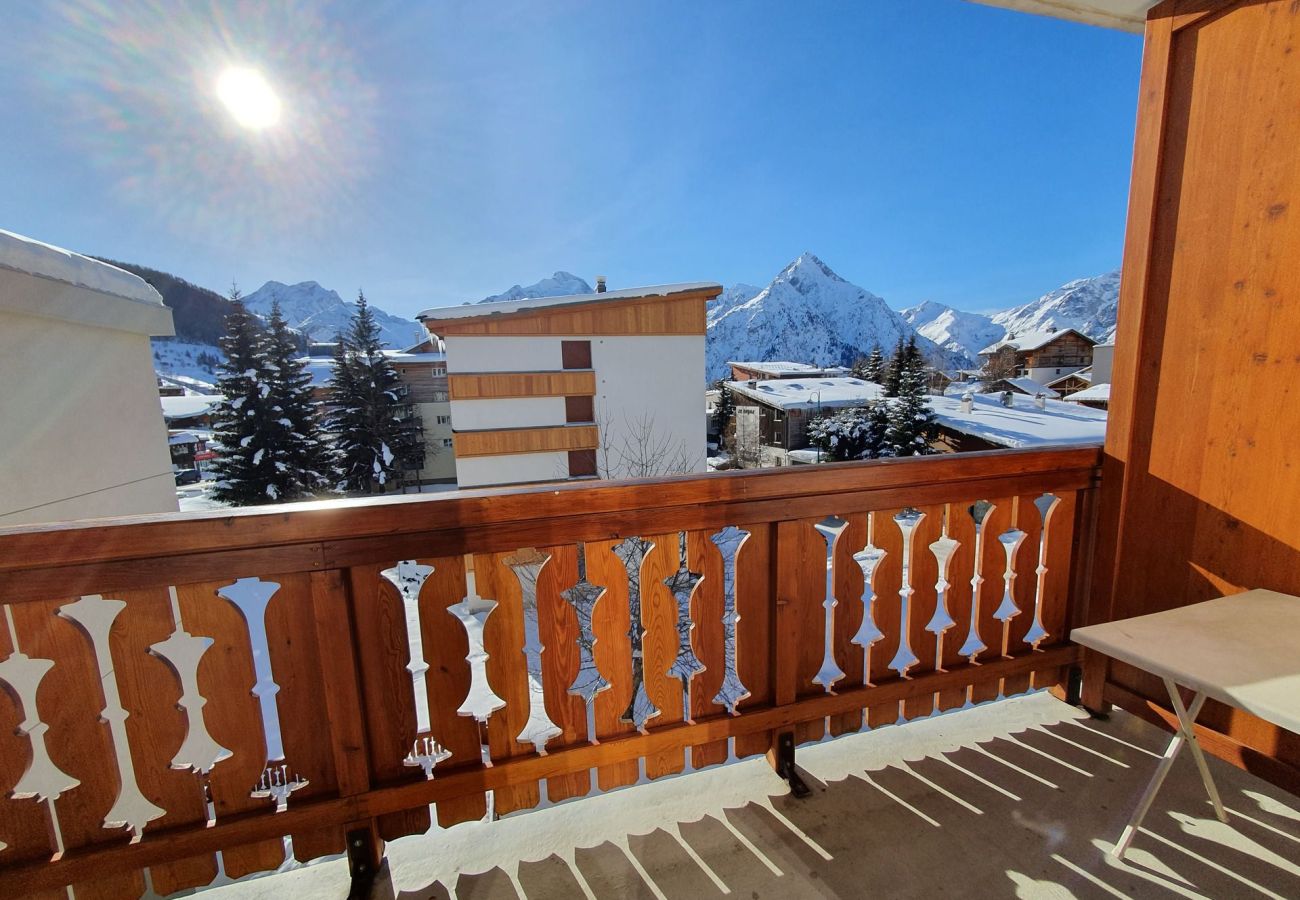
[81, 430]
[594, 385]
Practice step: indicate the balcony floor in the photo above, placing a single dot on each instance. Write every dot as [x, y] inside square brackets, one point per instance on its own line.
[1019, 798]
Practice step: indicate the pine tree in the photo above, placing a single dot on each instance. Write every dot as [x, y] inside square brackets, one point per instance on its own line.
[873, 369]
[894, 372]
[911, 421]
[298, 454]
[853, 433]
[245, 475]
[373, 439]
[725, 409]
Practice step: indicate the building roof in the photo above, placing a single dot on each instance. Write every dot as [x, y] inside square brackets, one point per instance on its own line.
[1124, 15]
[1085, 374]
[1022, 424]
[182, 437]
[810, 393]
[467, 311]
[783, 368]
[189, 405]
[1024, 341]
[1096, 393]
[1029, 386]
[126, 302]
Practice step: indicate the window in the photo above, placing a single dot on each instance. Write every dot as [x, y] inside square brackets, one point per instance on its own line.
[582, 462]
[579, 409]
[444, 420]
[575, 354]
[439, 396]
[446, 442]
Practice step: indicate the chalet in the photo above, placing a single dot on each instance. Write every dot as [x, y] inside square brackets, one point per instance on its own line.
[552, 388]
[1069, 384]
[190, 411]
[1097, 396]
[772, 416]
[985, 422]
[1042, 356]
[1016, 385]
[763, 371]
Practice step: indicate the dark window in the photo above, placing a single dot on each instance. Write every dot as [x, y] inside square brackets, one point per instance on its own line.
[582, 462]
[576, 354]
[579, 409]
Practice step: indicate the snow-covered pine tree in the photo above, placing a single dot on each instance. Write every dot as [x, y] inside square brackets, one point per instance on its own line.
[893, 373]
[245, 475]
[853, 433]
[873, 367]
[300, 457]
[725, 409]
[911, 421]
[372, 436]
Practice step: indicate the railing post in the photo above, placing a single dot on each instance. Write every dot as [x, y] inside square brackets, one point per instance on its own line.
[341, 677]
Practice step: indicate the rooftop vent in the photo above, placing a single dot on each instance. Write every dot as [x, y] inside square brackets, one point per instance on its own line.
[600, 284]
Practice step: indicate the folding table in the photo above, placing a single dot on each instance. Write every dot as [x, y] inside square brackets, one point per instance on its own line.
[1242, 650]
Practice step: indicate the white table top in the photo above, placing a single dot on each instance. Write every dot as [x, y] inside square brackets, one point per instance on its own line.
[1243, 650]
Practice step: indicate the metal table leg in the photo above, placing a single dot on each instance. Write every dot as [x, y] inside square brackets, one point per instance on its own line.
[1185, 735]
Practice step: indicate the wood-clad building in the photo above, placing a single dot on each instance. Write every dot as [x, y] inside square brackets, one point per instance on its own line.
[603, 384]
[1043, 356]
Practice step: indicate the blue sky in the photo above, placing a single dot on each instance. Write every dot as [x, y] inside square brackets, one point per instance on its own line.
[925, 149]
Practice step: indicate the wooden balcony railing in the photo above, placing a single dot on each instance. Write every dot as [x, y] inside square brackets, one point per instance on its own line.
[182, 685]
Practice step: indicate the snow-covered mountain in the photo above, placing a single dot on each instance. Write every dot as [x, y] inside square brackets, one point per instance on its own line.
[1088, 305]
[561, 284]
[955, 330]
[321, 314]
[807, 314]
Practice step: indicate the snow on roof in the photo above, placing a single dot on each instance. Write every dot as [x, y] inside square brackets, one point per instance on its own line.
[504, 307]
[196, 385]
[1098, 392]
[407, 356]
[1030, 340]
[182, 437]
[810, 393]
[22, 254]
[1022, 424]
[1084, 373]
[785, 367]
[189, 405]
[809, 455]
[1030, 387]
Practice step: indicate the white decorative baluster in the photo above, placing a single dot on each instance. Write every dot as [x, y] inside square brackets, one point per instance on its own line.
[904, 659]
[682, 584]
[95, 615]
[830, 529]
[943, 549]
[979, 512]
[23, 674]
[583, 597]
[252, 596]
[527, 566]
[473, 612]
[732, 691]
[182, 651]
[1011, 540]
[409, 576]
[868, 559]
[632, 552]
[1046, 505]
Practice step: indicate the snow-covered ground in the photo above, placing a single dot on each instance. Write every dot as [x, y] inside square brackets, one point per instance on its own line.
[186, 358]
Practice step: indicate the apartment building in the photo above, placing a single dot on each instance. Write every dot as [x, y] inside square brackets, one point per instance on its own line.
[589, 385]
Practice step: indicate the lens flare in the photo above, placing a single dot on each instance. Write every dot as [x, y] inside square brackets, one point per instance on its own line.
[249, 97]
[223, 119]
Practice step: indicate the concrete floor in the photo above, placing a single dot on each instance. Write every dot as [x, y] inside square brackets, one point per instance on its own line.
[1019, 798]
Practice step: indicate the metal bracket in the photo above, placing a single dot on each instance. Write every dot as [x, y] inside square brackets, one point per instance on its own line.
[361, 863]
[785, 767]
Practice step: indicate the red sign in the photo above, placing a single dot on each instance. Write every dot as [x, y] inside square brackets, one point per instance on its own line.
[204, 456]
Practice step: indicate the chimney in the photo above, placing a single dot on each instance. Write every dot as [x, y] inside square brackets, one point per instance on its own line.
[1007, 399]
[967, 403]
[1040, 400]
[600, 284]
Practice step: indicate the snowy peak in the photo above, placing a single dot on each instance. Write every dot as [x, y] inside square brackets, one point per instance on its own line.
[955, 330]
[561, 284]
[321, 313]
[1088, 305]
[807, 313]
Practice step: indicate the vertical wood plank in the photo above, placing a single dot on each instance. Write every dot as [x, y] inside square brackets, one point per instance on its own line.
[1031, 523]
[707, 609]
[888, 608]
[558, 626]
[756, 602]
[659, 613]
[613, 652]
[961, 528]
[991, 629]
[924, 575]
[848, 617]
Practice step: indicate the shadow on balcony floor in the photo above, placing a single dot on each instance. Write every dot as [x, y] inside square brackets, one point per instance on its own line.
[1013, 799]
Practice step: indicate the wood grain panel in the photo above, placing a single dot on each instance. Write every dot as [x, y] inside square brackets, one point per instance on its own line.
[848, 618]
[659, 614]
[708, 637]
[993, 565]
[961, 528]
[886, 535]
[558, 626]
[925, 572]
[503, 385]
[756, 600]
[682, 313]
[505, 442]
[610, 622]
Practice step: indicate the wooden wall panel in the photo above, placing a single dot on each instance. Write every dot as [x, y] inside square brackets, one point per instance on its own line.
[1197, 497]
[756, 600]
[708, 638]
[678, 314]
[558, 627]
[526, 440]
[848, 617]
[502, 385]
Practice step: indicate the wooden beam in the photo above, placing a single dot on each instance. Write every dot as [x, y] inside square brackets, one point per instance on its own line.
[509, 385]
[163, 845]
[511, 441]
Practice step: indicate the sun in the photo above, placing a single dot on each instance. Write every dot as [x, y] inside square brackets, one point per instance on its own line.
[248, 97]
